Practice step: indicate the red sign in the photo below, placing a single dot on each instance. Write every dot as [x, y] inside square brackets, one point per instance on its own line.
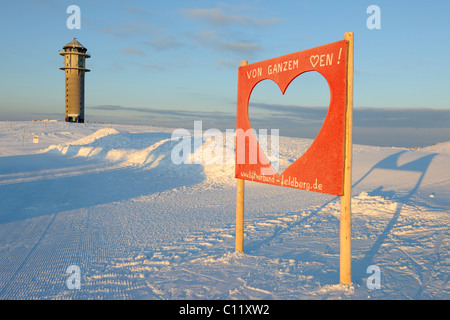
[321, 167]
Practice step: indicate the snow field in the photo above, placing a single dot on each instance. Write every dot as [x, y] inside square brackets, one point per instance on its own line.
[111, 201]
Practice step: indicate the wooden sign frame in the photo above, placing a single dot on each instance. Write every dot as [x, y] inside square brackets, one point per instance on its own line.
[321, 167]
[329, 158]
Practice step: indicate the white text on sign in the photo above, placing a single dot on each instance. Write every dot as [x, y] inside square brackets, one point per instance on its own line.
[273, 69]
[318, 60]
[323, 60]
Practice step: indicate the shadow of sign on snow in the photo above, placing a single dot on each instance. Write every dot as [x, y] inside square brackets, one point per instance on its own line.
[391, 162]
[111, 168]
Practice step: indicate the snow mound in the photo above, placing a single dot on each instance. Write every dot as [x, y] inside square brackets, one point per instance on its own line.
[147, 150]
[440, 147]
[62, 148]
[95, 136]
[116, 149]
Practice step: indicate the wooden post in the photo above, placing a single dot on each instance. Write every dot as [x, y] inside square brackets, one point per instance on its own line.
[240, 216]
[345, 223]
[240, 208]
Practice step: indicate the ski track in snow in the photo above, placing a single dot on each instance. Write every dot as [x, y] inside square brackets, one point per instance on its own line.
[111, 201]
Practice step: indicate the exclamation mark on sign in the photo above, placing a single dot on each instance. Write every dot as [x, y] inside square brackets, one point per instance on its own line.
[339, 59]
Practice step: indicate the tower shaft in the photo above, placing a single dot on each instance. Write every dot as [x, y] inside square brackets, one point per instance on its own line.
[74, 68]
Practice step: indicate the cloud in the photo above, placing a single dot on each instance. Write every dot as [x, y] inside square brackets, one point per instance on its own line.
[132, 50]
[407, 127]
[401, 117]
[164, 42]
[366, 116]
[136, 10]
[398, 127]
[239, 47]
[150, 66]
[216, 17]
[220, 42]
[225, 63]
[168, 112]
[54, 6]
[400, 137]
[127, 29]
[224, 32]
[307, 113]
[311, 116]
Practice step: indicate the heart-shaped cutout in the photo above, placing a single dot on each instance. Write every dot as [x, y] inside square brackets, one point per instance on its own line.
[301, 114]
[321, 167]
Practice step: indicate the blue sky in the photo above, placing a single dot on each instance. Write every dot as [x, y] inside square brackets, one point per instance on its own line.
[173, 62]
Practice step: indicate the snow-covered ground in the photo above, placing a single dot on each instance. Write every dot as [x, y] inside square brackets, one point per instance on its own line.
[109, 199]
